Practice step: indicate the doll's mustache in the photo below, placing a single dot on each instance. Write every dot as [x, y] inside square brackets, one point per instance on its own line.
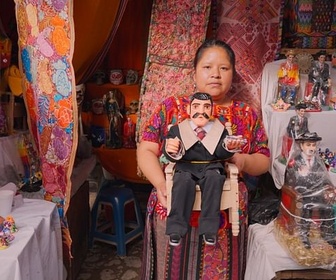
[205, 115]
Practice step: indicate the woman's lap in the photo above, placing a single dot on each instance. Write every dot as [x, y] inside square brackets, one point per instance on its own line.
[192, 259]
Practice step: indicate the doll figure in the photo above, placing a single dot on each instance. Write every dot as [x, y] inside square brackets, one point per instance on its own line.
[114, 116]
[289, 81]
[129, 134]
[319, 76]
[198, 145]
[306, 173]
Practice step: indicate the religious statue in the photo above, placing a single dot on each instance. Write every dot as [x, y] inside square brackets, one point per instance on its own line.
[289, 81]
[115, 116]
[319, 77]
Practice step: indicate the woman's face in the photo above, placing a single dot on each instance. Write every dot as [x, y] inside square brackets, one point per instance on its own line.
[214, 73]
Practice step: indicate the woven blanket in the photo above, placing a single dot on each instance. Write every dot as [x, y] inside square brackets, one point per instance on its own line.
[177, 29]
[252, 30]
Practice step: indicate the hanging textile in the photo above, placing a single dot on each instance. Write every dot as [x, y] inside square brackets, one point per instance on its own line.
[96, 23]
[253, 29]
[169, 61]
[46, 40]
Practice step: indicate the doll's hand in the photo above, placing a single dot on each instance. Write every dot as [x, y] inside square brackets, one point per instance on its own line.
[173, 145]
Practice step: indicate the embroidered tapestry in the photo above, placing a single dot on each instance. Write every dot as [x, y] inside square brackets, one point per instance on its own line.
[252, 28]
[177, 29]
[46, 37]
[312, 26]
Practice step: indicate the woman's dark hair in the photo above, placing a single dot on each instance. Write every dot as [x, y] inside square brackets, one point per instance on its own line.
[215, 43]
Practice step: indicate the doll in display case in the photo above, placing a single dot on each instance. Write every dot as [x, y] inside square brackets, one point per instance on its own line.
[305, 226]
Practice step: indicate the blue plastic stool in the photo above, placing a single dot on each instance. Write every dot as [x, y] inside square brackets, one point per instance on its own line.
[116, 232]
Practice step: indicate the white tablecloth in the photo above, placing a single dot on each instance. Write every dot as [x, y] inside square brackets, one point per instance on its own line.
[36, 251]
[265, 256]
[276, 123]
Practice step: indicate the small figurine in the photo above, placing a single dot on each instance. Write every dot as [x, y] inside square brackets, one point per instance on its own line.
[129, 134]
[131, 77]
[280, 105]
[114, 116]
[289, 80]
[297, 125]
[319, 77]
[133, 107]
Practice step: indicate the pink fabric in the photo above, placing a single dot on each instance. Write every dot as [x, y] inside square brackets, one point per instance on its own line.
[252, 30]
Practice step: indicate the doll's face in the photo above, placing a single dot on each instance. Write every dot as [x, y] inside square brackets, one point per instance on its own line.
[301, 112]
[200, 111]
[309, 148]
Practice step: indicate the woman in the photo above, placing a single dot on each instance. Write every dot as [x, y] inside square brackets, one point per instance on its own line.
[214, 67]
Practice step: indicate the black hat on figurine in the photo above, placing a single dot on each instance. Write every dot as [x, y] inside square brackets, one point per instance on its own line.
[308, 136]
[300, 106]
[321, 52]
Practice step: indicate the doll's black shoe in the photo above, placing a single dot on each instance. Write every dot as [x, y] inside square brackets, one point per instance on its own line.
[210, 239]
[174, 239]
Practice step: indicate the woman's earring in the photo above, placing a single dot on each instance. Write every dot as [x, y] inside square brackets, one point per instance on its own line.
[194, 87]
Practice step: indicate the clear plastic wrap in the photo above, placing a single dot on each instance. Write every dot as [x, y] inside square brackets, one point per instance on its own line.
[306, 224]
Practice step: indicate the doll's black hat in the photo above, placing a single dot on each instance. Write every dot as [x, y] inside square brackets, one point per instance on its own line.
[308, 136]
[300, 106]
[321, 52]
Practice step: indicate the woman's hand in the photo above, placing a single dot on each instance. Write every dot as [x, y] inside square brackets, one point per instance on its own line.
[162, 194]
[253, 164]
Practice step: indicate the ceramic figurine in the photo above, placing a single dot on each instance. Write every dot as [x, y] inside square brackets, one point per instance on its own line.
[289, 81]
[129, 134]
[114, 116]
[133, 107]
[131, 77]
[116, 77]
[319, 77]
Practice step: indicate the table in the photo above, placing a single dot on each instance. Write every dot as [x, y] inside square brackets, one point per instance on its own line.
[276, 122]
[265, 256]
[36, 251]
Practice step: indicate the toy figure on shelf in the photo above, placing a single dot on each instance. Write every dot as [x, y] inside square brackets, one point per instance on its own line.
[198, 145]
[114, 116]
[319, 79]
[297, 125]
[129, 134]
[280, 105]
[289, 80]
[306, 218]
[133, 107]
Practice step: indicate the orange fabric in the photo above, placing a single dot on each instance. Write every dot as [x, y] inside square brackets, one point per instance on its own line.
[94, 21]
[121, 163]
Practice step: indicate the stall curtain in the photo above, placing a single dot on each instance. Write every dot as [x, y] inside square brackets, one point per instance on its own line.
[253, 29]
[96, 23]
[46, 45]
[169, 61]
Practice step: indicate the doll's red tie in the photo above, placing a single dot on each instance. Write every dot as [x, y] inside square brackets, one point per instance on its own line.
[200, 132]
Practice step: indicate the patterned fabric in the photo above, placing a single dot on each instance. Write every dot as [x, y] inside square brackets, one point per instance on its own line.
[169, 62]
[313, 25]
[252, 30]
[46, 47]
[46, 37]
[193, 260]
